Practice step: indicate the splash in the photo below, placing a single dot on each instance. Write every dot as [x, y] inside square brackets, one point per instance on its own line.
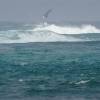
[68, 29]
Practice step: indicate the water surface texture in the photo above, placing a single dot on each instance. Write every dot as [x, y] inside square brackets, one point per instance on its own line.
[56, 65]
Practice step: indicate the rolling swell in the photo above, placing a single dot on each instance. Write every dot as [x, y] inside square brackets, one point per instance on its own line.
[51, 33]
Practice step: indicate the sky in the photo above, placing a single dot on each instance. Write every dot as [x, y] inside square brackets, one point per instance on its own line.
[63, 10]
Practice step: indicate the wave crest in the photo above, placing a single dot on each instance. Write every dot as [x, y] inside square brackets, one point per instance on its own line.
[49, 33]
[68, 29]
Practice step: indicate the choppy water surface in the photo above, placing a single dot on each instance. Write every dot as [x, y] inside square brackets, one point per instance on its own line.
[50, 70]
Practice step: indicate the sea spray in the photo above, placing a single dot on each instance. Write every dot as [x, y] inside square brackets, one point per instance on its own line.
[50, 33]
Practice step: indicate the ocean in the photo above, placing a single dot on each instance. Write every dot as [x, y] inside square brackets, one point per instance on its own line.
[49, 62]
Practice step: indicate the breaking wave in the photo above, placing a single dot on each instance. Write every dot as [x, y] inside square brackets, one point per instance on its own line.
[68, 29]
[51, 33]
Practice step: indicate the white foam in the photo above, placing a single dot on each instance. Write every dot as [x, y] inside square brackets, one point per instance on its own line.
[46, 33]
[82, 82]
[35, 37]
[68, 29]
[20, 80]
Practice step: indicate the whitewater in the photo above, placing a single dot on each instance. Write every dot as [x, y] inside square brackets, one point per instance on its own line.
[50, 33]
[49, 61]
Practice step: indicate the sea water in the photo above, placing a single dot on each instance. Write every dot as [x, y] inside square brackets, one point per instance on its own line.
[49, 62]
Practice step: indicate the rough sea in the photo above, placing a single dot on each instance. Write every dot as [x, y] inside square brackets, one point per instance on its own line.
[49, 62]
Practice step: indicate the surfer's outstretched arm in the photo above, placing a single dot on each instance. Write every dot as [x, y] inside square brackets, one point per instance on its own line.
[47, 13]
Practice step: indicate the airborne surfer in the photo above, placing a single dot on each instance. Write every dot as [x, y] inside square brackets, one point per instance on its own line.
[45, 16]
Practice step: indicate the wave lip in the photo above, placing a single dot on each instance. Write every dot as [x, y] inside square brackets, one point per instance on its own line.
[68, 29]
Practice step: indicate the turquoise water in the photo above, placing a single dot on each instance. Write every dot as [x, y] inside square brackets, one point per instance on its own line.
[49, 70]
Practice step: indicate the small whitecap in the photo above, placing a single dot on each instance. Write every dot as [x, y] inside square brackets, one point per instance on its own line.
[82, 82]
[23, 63]
[20, 80]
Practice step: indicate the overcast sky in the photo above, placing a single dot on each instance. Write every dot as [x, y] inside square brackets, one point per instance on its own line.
[63, 10]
